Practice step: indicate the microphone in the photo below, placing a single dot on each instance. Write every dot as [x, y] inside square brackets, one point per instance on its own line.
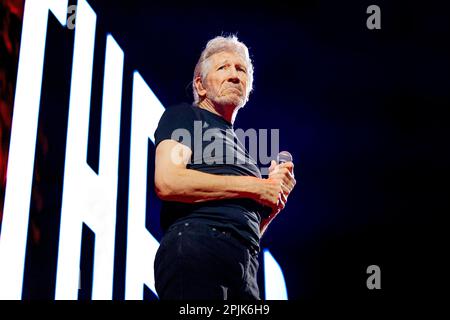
[284, 156]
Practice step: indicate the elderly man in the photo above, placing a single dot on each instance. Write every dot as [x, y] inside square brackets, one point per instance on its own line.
[213, 211]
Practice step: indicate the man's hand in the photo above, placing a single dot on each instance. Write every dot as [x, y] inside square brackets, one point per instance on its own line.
[269, 193]
[283, 174]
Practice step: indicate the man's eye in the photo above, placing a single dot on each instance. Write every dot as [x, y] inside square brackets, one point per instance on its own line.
[221, 67]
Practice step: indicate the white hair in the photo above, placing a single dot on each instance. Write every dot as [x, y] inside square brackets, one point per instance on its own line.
[222, 44]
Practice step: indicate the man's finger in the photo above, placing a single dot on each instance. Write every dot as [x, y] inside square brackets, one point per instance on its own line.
[286, 190]
[287, 178]
[273, 164]
[288, 165]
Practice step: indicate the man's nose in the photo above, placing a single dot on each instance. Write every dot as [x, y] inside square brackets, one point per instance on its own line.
[234, 80]
[233, 76]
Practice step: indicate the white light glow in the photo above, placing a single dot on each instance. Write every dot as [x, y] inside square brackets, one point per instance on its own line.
[274, 283]
[141, 245]
[23, 141]
[87, 196]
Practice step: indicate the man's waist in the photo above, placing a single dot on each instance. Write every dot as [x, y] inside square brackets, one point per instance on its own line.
[227, 229]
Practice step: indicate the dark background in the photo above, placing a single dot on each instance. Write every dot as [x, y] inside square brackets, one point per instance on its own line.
[364, 113]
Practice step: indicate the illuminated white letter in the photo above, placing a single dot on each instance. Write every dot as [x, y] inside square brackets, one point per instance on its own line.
[88, 197]
[23, 141]
[141, 245]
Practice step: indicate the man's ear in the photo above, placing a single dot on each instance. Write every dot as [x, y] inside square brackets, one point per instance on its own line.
[201, 91]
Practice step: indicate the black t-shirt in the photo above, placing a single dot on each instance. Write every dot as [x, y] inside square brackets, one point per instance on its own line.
[215, 150]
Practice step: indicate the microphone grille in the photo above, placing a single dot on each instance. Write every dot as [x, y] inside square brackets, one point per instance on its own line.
[284, 156]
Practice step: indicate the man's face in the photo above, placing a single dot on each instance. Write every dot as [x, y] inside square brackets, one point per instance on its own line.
[226, 81]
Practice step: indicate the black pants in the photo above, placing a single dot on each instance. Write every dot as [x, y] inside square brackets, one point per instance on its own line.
[199, 262]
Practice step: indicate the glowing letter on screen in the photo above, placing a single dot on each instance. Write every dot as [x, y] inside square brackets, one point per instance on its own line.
[141, 245]
[23, 141]
[275, 286]
[87, 196]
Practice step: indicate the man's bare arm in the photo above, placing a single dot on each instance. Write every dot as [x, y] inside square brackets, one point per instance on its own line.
[174, 182]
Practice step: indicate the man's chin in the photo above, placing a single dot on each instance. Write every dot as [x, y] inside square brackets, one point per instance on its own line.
[234, 101]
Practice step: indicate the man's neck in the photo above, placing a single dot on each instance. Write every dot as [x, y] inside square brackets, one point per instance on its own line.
[227, 112]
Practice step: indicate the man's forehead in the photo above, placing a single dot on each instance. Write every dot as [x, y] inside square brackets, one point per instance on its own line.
[227, 56]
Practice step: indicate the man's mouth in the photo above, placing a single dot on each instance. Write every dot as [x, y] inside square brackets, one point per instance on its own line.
[234, 89]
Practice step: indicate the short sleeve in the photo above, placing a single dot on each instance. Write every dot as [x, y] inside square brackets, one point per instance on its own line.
[176, 123]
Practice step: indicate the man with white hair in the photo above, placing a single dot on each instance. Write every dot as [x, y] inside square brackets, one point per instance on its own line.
[214, 208]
